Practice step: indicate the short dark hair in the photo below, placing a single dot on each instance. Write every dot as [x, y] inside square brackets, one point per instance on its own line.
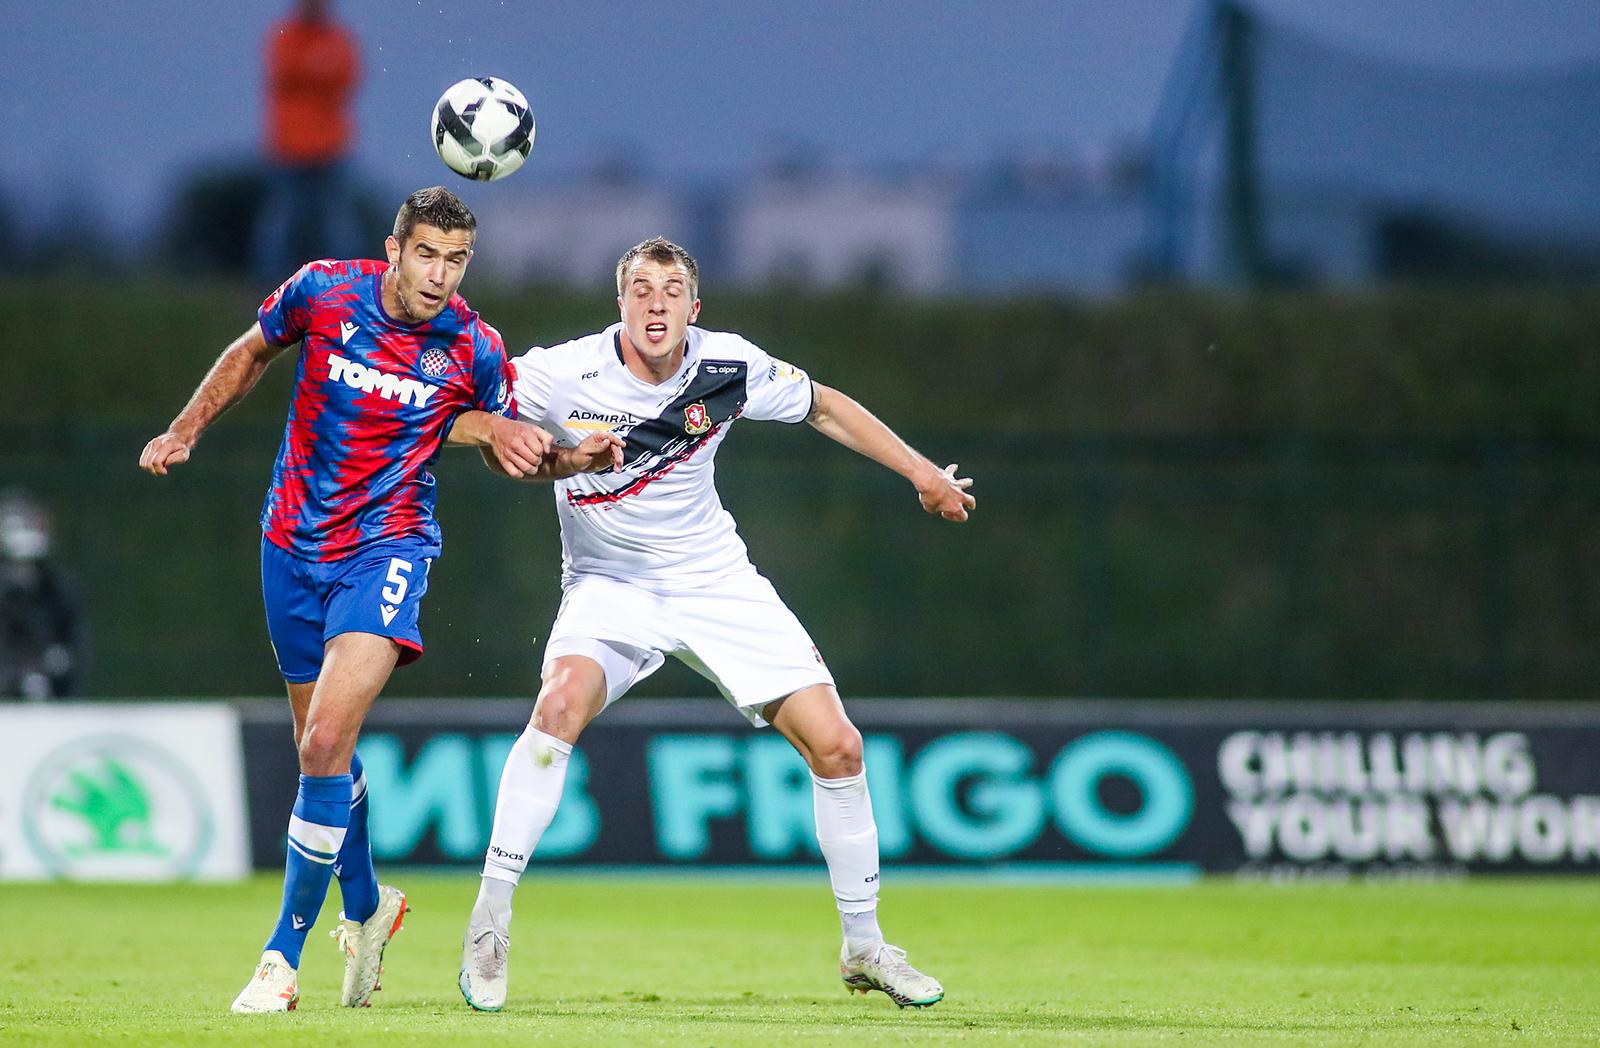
[435, 206]
[664, 251]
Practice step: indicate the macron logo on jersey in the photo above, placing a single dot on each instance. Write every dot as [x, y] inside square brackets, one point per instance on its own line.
[369, 380]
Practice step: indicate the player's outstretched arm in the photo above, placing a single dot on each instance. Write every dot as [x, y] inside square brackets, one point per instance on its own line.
[842, 419]
[525, 452]
[596, 452]
[510, 448]
[230, 378]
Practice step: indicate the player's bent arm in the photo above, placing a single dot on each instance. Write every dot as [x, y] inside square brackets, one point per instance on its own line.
[233, 375]
[841, 418]
[510, 448]
[597, 452]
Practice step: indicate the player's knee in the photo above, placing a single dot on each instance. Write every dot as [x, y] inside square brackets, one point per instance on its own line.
[323, 749]
[837, 754]
[562, 712]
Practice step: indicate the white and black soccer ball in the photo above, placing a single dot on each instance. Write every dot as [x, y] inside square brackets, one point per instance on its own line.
[482, 128]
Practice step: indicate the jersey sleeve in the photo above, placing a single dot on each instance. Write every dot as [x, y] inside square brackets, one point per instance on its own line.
[776, 389]
[534, 386]
[492, 373]
[285, 315]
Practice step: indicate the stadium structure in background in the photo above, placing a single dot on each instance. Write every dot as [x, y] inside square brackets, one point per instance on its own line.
[1276, 158]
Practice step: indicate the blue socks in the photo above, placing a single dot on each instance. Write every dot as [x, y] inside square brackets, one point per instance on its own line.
[316, 836]
[358, 881]
[327, 838]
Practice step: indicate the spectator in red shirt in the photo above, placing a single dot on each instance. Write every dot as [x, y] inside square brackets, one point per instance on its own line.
[312, 69]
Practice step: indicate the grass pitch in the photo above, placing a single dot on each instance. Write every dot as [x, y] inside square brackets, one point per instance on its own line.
[717, 961]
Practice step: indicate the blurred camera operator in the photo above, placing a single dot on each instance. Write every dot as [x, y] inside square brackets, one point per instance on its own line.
[39, 621]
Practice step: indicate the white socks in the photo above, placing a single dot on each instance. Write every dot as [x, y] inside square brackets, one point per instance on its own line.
[530, 790]
[493, 907]
[848, 835]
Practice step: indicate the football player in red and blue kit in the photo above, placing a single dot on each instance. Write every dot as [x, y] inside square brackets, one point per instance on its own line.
[393, 365]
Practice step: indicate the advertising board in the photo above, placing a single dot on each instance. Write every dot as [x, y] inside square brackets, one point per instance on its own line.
[1256, 789]
[121, 792]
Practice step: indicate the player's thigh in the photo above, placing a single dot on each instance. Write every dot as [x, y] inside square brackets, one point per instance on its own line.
[742, 637]
[379, 591]
[613, 624]
[814, 721]
[594, 607]
[293, 597]
[355, 668]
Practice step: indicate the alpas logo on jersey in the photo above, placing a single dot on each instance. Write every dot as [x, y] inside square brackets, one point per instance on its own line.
[370, 380]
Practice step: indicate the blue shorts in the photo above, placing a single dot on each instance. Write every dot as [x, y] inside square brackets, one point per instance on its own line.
[376, 590]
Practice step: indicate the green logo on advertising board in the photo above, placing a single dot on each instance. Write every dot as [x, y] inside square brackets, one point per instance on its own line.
[113, 807]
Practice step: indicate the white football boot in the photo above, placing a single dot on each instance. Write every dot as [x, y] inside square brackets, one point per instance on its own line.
[484, 972]
[883, 967]
[362, 943]
[275, 987]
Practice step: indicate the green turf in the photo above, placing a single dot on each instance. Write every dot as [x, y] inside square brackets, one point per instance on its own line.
[633, 961]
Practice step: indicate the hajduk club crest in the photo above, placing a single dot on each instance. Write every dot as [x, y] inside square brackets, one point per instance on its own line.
[435, 362]
[695, 419]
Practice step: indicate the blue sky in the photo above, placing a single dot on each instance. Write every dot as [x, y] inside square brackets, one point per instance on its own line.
[110, 102]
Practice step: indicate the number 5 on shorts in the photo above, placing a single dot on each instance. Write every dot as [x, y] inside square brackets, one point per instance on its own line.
[397, 574]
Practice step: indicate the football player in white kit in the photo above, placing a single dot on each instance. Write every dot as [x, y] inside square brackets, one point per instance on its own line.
[652, 565]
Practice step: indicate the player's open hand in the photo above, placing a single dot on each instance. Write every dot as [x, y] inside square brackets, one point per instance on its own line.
[946, 494]
[518, 447]
[596, 452]
[168, 449]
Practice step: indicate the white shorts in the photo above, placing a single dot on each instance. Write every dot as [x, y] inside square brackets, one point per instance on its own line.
[737, 633]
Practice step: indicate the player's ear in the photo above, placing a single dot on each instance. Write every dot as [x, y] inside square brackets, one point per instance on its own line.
[391, 247]
[694, 311]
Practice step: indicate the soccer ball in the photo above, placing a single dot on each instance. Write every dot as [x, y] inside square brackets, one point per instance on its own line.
[482, 128]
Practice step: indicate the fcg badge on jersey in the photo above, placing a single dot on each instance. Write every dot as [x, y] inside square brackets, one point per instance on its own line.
[695, 419]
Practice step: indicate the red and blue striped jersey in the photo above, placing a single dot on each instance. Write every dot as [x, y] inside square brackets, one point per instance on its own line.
[373, 401]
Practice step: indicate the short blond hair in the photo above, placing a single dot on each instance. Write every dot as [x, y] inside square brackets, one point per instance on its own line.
[664, 251]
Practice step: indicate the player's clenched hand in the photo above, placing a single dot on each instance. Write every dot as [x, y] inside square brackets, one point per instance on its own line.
[168, 449]
[596, 452]
[518, 446]
[946, 494]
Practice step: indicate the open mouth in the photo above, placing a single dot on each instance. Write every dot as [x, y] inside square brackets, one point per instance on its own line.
[655, 332]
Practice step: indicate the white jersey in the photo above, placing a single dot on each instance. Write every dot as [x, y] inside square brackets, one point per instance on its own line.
[658, 521]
